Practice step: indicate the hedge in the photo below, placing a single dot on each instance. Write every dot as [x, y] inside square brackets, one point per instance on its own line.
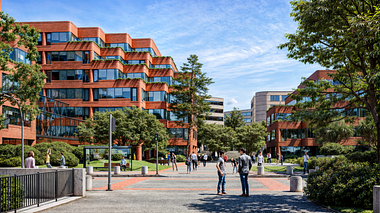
[335, 149]
[180, 158]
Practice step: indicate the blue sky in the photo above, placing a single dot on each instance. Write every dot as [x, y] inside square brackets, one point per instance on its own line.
[235, 40]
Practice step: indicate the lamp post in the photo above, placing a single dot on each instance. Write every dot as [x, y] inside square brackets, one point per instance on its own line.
[22, 126]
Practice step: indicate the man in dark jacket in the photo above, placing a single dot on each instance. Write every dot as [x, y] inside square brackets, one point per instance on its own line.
[245, 165]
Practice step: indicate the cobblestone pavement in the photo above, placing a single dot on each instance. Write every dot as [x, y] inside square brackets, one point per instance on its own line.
[195, 192]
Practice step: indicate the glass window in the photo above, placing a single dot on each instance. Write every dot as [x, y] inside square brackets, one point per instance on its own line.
[274, 98]
[40, 39]
[214, 102]
[134, 94]
[111, 93]
[284, 97]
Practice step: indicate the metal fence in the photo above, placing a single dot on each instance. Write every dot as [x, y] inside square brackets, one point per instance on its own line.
[21, 191]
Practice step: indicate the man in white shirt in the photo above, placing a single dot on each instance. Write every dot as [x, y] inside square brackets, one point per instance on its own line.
[260, 159]
[204, 160]
[194, 160]
[269, 157]
[305, 163]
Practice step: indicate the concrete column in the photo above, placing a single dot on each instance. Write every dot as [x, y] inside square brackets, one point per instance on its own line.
[296, 184]
[90, 170]
[376, 199]
[88, 183]
[91, 94]
[260, 170]
[79, 182]
[92, 55]
[138, 152]
[289, 170]
[43, 57]
[91, 112]
[43, 39]
[91, 76]
[144, 170]
[116, 170]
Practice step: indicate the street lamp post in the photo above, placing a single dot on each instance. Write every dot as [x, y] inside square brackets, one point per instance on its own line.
[22, 126]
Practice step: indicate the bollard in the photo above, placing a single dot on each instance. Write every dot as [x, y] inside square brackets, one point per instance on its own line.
[260, 170]
[296, 184]
[90, 170]
[144, 170]
[88, 183]
[116, 170]
[289, 170]
[376, 199]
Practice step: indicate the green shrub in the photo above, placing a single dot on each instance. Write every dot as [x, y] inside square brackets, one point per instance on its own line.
[11, 162]
[343, 183]
[116, 156]
[367, 156]
[70, 159]
[7, 193]
[78, 152]
[38, 157]
[335, 149]
[181, 158]
[290, 157]
[7, 150]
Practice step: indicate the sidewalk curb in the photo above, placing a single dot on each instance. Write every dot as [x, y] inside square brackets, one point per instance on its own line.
[126, 175]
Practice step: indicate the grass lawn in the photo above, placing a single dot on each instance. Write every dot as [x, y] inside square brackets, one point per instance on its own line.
[136, 165]
[278, 168]
[348, 209]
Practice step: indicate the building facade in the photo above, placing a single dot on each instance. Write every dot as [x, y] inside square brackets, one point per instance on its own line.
[247, 113]
[95, 71]
[262, 101]
[217, 111]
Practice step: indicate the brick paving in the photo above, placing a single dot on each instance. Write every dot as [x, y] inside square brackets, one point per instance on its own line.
[195, 192]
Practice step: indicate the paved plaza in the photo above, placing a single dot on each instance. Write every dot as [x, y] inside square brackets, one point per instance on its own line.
[195, 192]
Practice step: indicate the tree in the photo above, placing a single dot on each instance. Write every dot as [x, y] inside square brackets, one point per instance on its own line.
[216, 137]
[23, 81]
[335, 132]
[189, 95]
[251, 137]
[342, 35]
[366, 129]
[235, 119]
[133, 127]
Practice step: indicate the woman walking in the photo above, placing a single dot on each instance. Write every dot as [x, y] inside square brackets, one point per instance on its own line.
[188, 163]
[48, 153]
[174, 161]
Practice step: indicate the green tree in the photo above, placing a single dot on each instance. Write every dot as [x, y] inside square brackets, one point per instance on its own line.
[216, 137]
[23, 81]
[342, 35]
[251, 137]
[133, 127]
[189, 95]
[335, 132]
[235, 119]
[366, 129]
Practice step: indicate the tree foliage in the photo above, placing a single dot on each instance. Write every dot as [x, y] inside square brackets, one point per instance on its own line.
[336, 132]
[366, 129]
[235, 119]
[342, 35]
[216, 137]
[189, 94]
[133, 127]
[251, 137]
[25, 81]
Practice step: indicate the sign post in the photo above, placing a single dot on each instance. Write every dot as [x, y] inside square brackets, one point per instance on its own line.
[156, 139]
[112, 126]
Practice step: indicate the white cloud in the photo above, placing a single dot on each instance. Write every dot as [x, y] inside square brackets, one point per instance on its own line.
[232, 101]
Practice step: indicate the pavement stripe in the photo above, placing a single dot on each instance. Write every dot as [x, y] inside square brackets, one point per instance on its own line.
[120, 185]
[273, 185]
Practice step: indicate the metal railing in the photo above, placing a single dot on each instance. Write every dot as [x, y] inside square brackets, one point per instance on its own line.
[21, 191]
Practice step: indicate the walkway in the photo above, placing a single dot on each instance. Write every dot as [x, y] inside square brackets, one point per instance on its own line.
[195, 192]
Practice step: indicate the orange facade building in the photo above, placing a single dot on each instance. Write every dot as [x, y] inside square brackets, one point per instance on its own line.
[88, 70]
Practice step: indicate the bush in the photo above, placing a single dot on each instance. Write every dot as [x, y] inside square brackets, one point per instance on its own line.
[7, 191]
[78, 152]
[70, 159]
[56, 149]
[11, 162]
[367, 156]
[116, 156]
[181, 158]
[7, 151]
[335, 149]
[290, 157]
[39, 159]
[343, 183]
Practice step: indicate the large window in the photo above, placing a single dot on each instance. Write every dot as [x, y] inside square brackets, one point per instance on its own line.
[67, 75]
[60, 37]
[18, 55]
[148, 49]
[211, 118]
[125, 46]
[178, 133]
[282, 116]
[137, 75]
[97, 40]
[157, 96]
[136, 61]
[108, 74]
[167, 79]
[292, 134]
[68, 94]
[246, 113]
[112, 93]
[159, 113]
[8, 85]
[83, 56]
[105, 109]
[247, 120]
[284, 97]
[13, 116]
[274, 98]
[13, 141]
[168, 66]
[214, 102]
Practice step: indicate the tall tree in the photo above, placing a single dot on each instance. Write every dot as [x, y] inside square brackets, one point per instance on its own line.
[216, 137]
[189, 95]
[335, 132]
[235, 119]
[251, 137]
[133, 127]
[366, 129]
[342, 35]
[23, 81]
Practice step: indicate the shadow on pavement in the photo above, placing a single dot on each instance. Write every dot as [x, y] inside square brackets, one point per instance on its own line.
[266, 202]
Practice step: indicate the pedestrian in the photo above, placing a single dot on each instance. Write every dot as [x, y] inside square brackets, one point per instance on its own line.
[168, 157]
[220, 166]
[245, 165]
[174, 161]
[234, 165]
[260, 159]
[269, 157]
[48, 153]
[62, 160]
[282, 160]
[188, 163]
[88, 159]
[194, 160]
[29, 161]
[123, 164]
[305, 162]
[277, 157]
[204, 159]
[253, 158]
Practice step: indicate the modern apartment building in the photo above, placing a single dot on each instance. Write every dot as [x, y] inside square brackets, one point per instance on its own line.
[217, 111]
[247, 113]
[285, 137]
[262, 101]
[89, 70]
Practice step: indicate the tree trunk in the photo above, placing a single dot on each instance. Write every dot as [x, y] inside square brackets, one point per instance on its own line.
[378, 141]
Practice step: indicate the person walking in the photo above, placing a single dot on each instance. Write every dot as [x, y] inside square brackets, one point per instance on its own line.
[269, 157]
[260, 159]
[234, 166]
[29, 161]
[245, 165]
[62, 160]
[220, 166]
[123, 164]
[48, 153]
[204, 159]
[174, 161]
[253, 158]
[277, 158]
[194, 160]
[305, 162]
[188, 163]
[282, 160]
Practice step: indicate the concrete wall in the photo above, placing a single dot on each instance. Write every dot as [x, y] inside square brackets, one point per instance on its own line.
[261, 102]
